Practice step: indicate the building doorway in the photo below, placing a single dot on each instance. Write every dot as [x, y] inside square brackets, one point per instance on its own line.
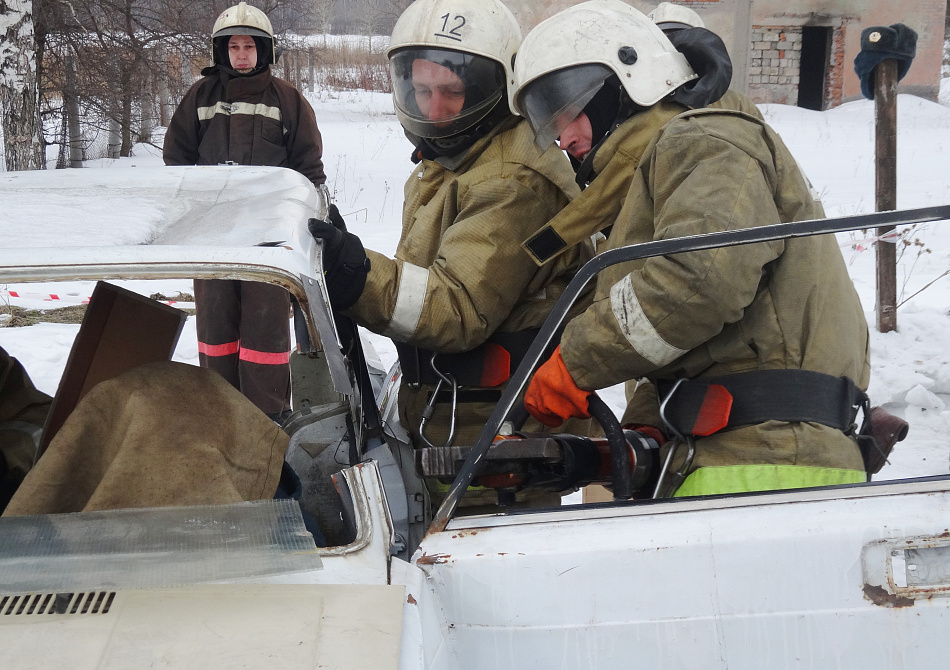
[813, 67]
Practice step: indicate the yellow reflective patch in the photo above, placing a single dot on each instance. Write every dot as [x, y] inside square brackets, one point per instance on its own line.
[744, 478]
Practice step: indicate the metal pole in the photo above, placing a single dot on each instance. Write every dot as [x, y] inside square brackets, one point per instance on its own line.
[885, 181]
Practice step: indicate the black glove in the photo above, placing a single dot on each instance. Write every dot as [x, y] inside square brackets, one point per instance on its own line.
[334, 217]
[345, 264]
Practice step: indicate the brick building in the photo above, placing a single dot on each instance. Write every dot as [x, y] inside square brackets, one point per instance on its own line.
[801, 52]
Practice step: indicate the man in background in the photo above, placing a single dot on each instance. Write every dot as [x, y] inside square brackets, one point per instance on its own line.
[240, 113]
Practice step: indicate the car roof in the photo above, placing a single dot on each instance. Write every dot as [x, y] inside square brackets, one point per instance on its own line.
[226, 222]
[247, 215]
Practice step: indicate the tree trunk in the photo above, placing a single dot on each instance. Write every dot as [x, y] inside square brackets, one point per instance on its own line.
[186, 78]
[165, 105]
[126, 124]
[71, 99]
[18, 95]
[114, 147]
[147, 108]
[296, 61]
[128, 97]
[310, 69]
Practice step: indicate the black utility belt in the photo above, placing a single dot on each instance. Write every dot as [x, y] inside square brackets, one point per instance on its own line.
[703, 406]
[487, 365]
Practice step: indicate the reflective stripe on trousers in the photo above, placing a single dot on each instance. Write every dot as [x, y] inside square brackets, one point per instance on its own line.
[713, 480]
[244, 335]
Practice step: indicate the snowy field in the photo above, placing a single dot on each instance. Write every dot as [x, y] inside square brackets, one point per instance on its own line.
[367, 160]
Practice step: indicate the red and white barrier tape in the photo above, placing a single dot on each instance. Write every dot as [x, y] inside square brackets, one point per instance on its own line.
[861, 245]
[76, 299]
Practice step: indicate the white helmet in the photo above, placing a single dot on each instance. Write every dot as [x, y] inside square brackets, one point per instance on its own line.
[475, 40]
[668, 16]
[242, 19]
[566, 59]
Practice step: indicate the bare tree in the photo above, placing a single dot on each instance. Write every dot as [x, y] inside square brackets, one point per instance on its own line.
[322, 12]
[22, 142]
[109, 60]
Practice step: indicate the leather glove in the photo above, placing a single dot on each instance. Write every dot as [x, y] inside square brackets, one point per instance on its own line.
[334, 217]
[553, 397]
[345, 264]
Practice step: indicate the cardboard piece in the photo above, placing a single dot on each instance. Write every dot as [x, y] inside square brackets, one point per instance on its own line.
[121, 330]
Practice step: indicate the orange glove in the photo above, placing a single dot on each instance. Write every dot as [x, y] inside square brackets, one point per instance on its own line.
[553, 397]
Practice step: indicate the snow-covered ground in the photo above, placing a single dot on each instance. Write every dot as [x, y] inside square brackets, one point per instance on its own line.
[367, 161]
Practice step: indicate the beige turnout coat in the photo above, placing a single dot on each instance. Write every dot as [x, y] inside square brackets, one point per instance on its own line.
[23, 412]
[765, 306]
[460, 273]
[160, 435]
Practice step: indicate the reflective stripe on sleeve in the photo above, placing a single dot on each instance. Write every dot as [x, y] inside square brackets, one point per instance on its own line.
[228, 108]
[410, 299]
[226, 349]
[265, 357]
[636, 327]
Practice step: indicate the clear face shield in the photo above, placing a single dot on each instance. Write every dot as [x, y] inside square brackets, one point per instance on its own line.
[439, 93]
[553, 101]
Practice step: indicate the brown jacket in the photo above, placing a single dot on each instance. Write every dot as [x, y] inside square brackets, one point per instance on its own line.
[257, 120]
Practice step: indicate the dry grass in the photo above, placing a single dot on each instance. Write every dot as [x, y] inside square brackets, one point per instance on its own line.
[14, 317]
[337, 66]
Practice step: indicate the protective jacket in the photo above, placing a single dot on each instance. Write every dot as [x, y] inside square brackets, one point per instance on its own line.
[243, 330]
[738, 102]
[256, 120]
[141, 440]
[778, 305]
[23, 411]
[459, 273]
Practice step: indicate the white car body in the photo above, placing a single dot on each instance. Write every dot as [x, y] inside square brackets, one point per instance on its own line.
[837, 577]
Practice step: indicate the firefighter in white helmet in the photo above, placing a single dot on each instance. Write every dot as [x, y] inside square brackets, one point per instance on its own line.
[240, 113]
[777, 322]
[461, 298]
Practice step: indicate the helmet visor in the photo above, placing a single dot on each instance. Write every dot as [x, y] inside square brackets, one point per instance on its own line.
[438, 92]
[553, 101]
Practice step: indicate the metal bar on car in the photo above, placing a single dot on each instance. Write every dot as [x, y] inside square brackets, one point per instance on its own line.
[612, 257]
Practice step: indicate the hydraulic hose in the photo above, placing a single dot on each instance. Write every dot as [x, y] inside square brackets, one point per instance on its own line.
[619, 451]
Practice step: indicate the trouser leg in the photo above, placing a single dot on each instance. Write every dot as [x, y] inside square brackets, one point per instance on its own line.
[264, 365]
[218, 322]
